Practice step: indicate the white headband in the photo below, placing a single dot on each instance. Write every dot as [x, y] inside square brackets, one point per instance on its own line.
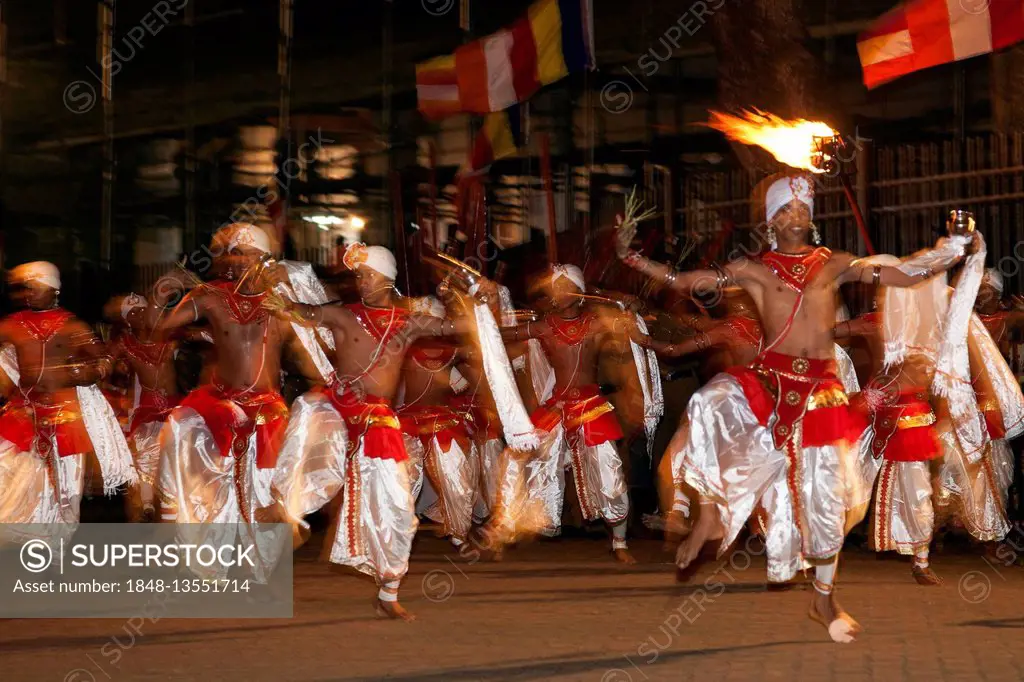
[39, 271]
[242, 234]
[784, 191]
[571, 272]
[130, 303]
[374, 257]
[994, 279]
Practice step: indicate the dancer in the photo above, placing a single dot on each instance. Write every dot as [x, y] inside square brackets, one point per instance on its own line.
[1000, 323]
[739, 332]
[436, 433]
[741, 335]
[150, 363]
[578, 422]
[57, 415]
[347, 438]
[904, 427]
[780, 432]
[219, 447]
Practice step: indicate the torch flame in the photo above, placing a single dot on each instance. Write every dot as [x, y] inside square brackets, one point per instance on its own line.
[794, 143]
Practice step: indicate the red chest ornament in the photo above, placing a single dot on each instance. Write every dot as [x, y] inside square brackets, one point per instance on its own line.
[433, 356]
[147, 353]
[796, 270]
[42, 325]
[382, 324]
[571, 332]
[243, 308]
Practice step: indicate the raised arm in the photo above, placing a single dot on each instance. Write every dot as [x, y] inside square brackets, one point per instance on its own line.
[686, 282]
[916, 269]
[189, 311]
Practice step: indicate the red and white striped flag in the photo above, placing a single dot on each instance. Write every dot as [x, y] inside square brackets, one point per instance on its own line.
[925, 33]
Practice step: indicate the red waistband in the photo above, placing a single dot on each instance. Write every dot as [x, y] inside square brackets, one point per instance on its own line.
[370, 420]
[28, 422]
[580, 407]
[818, 408]
[802, 369]
[154, 406]
[263, 412]
[427, 422]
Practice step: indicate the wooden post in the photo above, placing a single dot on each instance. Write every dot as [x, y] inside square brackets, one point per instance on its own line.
[106, 28]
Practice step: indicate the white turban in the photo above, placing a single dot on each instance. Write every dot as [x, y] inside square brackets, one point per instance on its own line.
[242, 234]
[571, 272]
[374, 257]
[39, 271]
[994, 279]
[130, 303]
[784, 191]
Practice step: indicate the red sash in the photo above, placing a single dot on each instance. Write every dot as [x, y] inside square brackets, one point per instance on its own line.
[26, 422]
[371, 420]
[436, 421]
[263, 412]
[905, 432]
[154, 406]
[790, 392]
[580, 407]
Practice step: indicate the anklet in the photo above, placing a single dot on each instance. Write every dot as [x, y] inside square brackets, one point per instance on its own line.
[823, 588]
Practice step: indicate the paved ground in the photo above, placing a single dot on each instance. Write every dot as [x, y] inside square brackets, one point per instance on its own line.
[561, 610]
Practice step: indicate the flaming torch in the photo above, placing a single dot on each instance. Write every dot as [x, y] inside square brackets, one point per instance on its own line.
[812, 146]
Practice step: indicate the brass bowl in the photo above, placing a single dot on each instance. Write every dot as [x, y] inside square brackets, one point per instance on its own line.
[960, 222]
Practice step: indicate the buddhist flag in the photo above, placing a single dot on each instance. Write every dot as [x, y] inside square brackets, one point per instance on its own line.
[925, 33]
[500, 136]
[554, 39]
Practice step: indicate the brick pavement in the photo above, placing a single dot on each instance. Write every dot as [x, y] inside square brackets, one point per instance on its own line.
[562, 610]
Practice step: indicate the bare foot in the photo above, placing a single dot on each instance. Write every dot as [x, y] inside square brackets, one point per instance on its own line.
[148, 514]
[924, 575]
[394, 611]
[707, 528]
[826, 610]
[624, 557]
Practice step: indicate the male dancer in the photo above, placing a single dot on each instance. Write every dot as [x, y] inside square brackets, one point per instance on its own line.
[1000, 323]
[779, 432]
[367, 458]
[219, 447]
[578, 422]
[436, 433]
[904, 427]
[56, 415]
[740, 331]
[150, 362]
